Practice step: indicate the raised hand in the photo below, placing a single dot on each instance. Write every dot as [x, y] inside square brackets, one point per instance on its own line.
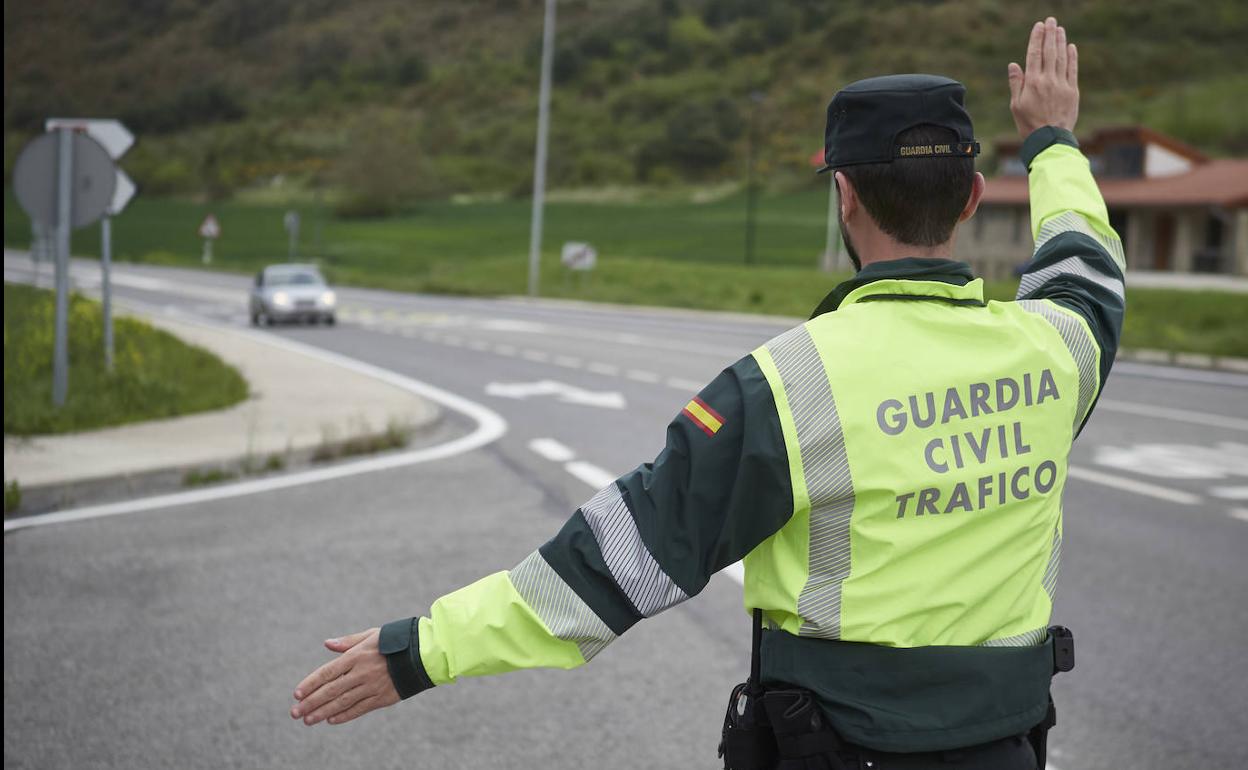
[1047, 93]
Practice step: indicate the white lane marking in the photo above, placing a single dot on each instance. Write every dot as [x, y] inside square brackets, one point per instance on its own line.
[1180, 415]
[1180, 374]
[1239, 513]
[1177, 461]
[552, 450]
[686, 385]
[505, 350]
[568, 394]
[1130, 485]
[490, 427]
[597, 367]
[571, 362]
[512, 325]
[1230, 493]
[479, 345]
[541, 356]
[641, 375]
[735, 571]
[589, 473]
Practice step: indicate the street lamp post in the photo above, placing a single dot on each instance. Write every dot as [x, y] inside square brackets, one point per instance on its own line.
[539, 163]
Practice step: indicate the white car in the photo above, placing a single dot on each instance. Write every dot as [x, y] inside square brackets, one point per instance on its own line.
[291, 292]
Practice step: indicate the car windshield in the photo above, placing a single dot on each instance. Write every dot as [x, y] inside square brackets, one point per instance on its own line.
[292, 278]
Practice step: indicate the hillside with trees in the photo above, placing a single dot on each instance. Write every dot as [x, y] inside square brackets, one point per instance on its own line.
[377, 103]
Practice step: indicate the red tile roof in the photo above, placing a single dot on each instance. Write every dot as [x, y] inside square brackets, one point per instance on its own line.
[1215, 183]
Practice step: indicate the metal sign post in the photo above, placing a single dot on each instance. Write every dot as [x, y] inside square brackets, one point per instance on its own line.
[209, 230]
[291, 221]
[116, 140]
[63, 179]
[539, 163]
[64, 183]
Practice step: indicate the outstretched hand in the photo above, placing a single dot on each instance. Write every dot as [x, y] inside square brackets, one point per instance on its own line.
[1047, 93]
[349, 686]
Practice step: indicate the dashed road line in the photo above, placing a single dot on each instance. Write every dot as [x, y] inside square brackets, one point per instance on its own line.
[641, 375]
[1239, 513]
[543, 356]
[597, 367]
[589, 473]
[1230, 493]
[1179, 415]
[552, 450]
[685, 385]
[1138, 487]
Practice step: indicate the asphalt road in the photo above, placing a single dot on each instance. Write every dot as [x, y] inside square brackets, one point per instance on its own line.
[172, 638]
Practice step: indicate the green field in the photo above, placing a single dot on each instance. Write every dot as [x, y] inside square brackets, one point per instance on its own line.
[156, 375]
[673, 252]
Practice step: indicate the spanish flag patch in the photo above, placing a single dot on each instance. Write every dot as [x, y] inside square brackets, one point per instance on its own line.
[703, 416]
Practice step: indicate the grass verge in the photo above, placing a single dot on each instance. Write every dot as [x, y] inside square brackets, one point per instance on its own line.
[156, 375]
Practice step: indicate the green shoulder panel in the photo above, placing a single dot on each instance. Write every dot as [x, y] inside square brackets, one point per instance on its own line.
[721, 485]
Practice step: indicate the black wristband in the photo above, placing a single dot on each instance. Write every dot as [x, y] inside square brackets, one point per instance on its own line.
[1043, 138]
[400, 643]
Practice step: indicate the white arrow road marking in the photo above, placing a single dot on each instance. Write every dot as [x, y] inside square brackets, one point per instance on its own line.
[1239, 513]
[564, 392]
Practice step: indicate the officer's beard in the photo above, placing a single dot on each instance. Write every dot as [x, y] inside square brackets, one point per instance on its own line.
[849, 244]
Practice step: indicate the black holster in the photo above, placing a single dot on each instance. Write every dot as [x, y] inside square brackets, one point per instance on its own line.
[747, 742]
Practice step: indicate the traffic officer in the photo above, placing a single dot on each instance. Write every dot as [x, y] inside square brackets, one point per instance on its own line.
[890, 471]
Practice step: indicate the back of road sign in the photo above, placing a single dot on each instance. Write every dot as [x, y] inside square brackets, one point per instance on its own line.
[209, 228]
[35, 174]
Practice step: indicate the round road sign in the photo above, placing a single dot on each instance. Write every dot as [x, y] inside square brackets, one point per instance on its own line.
[35, 179]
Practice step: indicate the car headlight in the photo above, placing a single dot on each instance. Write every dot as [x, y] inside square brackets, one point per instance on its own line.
[281, 299]
[328, 299]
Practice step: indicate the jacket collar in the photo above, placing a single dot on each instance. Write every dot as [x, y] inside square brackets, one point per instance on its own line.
[909, 278]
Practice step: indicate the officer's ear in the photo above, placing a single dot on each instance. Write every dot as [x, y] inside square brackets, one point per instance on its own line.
[972, 202]
[847, 196]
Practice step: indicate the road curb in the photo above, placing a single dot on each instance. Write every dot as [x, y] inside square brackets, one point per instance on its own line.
[243, 462]
[1185, 360]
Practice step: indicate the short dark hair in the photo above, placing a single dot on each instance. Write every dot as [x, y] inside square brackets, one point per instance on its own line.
[917, 201]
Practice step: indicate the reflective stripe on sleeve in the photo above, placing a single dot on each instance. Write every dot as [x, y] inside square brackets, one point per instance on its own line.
[566, 615]
[1069, 266]
[1073, 221]
[632, 565]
